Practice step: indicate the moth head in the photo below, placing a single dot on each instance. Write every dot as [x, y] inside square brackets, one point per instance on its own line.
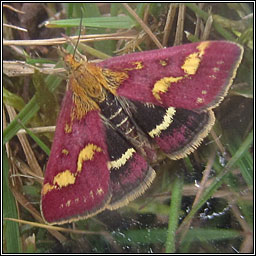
[71, 62]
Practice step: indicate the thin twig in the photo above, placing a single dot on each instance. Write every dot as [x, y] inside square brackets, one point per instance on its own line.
[143, 25]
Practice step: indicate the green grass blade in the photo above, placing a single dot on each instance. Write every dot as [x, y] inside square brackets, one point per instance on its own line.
[174, 214]
[27, 112]
[115, 22]
[11, 229]
[39, 142]
[204, 15]
[220, 178]
[13, 100]
[24, 116]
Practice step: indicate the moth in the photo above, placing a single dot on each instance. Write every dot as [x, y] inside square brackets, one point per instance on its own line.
[116, 114]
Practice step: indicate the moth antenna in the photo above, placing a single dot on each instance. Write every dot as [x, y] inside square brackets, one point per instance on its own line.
[72, 44]
[79, 35]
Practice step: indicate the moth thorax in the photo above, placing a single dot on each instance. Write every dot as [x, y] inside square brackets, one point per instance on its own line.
[90, 85]
[95, 91]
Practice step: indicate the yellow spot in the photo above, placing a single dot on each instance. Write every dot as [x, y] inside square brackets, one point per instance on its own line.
[199, 100]
[123, 159]
[138, 64]
[190, 67]
[202, 46]
[65, 151]
[191, 64]
[220, 62]
[86, 154]
[212, 76]
[99, 191]
[68, 203]
[68, 128]
[162, 85]
[76, 200]
[215, 70]
[204, 92]
[193, 60]
[84, 199]
[163, 63]
[168, 118]
[46, 188]
[64, 179]
[91, 194]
